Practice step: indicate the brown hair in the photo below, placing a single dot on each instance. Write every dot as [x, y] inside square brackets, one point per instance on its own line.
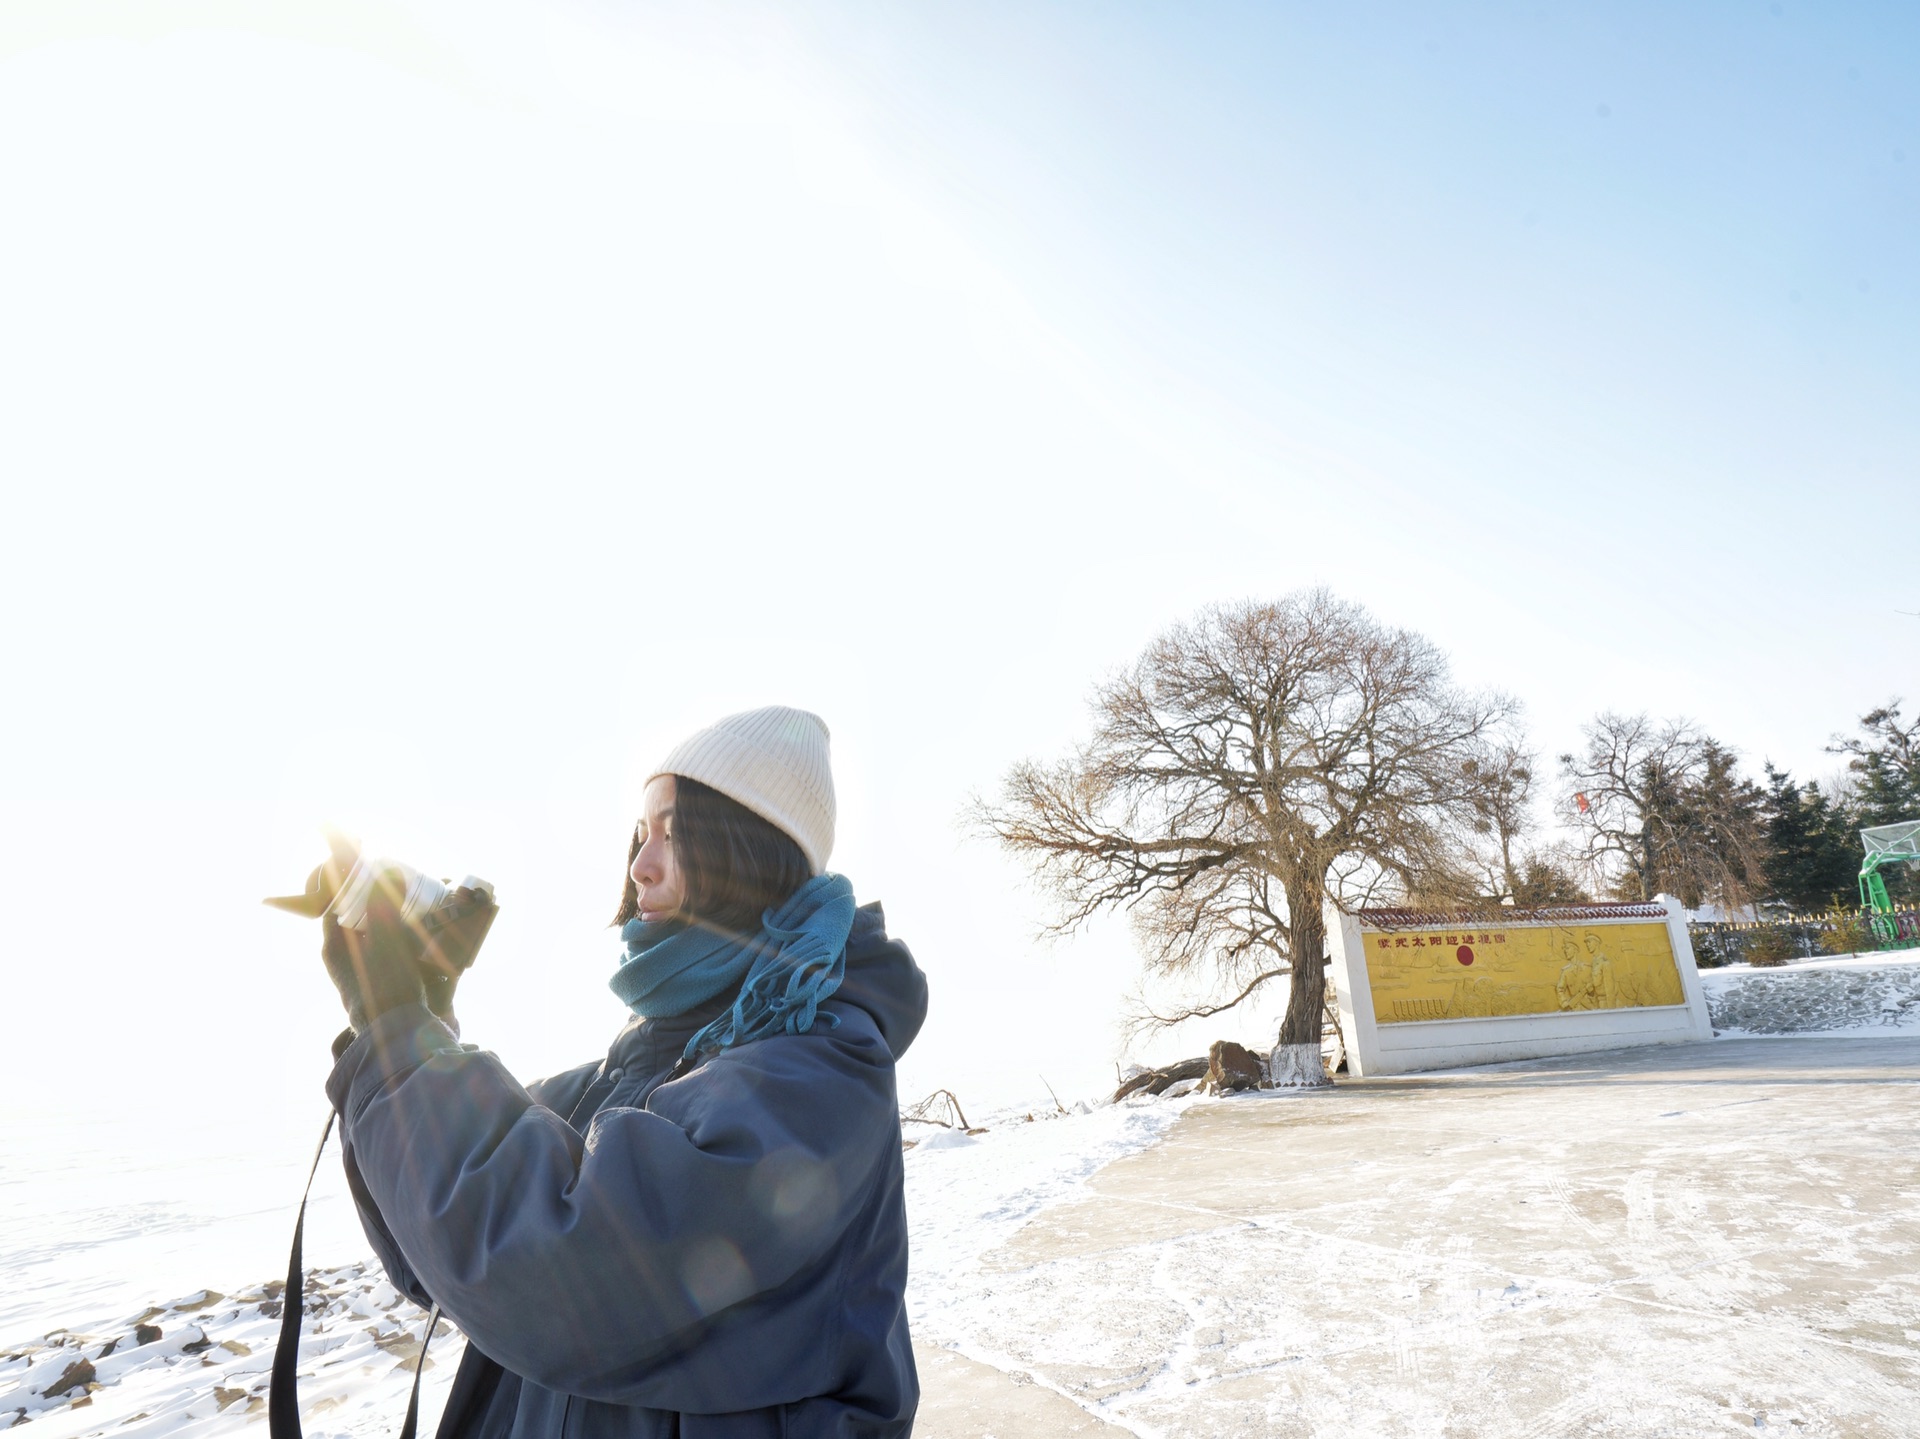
[736, 865]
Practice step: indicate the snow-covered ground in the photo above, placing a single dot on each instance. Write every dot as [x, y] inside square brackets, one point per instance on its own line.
[1223, 1281]
[968, 1195]
[199, 1362]
[1851, 993]
[1696, 1239]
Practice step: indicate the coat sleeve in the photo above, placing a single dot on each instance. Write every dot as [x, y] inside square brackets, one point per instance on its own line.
[386, 1248]
[586, 1263]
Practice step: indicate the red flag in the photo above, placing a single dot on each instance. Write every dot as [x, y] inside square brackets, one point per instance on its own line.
[1581, 801]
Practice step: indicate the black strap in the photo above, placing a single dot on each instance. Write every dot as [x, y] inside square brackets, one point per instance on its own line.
[419, 1367]
[283, 1396]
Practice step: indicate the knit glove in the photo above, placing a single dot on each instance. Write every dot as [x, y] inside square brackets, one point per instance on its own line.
[393, 963]
[377, 968]
[452, 947]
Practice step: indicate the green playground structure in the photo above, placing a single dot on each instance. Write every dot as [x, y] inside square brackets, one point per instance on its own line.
[1886, 844]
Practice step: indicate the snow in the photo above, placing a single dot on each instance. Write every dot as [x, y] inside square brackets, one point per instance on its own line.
[964, 1201]
[208, 1370]
[208, 1367]
[1666, 1240]
[1126, 1256]
[1841, 995]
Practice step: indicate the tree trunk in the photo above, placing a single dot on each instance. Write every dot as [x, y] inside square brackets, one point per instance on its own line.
[1295, 1061]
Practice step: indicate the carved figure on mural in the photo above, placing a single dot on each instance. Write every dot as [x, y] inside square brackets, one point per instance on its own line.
[1574, 988]
[1600, 982]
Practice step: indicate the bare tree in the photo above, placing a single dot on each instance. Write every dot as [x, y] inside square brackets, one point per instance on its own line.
[1499, 789]
[1252, 762]
[1234, 917]
[1508, 863]
[1663, 808]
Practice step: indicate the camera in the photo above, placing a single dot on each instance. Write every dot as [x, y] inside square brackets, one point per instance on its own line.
[452, 918]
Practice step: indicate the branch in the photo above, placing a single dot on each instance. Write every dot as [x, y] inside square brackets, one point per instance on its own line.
[1154, 1020]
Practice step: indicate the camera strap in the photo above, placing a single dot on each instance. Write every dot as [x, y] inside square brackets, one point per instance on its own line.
[283, 1395]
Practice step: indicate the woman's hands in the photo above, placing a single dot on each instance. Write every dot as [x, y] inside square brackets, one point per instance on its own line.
[393, 962]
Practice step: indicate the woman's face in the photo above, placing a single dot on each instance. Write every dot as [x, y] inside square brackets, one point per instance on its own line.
[656, 869]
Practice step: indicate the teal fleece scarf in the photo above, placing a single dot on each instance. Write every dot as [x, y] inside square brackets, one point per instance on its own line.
[785, 971]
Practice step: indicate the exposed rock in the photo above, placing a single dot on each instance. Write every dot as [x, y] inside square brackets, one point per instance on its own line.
[1231, 1068]
[77, 1375]
[223, 1397]
[146, 1333]
[402, 1346]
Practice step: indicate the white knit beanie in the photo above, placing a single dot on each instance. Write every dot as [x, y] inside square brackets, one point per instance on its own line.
[773, 761]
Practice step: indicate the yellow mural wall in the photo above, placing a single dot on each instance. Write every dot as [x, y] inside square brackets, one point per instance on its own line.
[1448, 972]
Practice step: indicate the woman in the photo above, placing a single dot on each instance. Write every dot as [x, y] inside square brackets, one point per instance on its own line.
[702, 1235]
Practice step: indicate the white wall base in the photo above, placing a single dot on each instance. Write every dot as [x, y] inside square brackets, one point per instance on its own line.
[1452, 1043]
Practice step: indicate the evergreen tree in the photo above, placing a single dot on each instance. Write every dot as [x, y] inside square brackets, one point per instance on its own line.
[1543, 881]
[1887, 759]
[1812, 856]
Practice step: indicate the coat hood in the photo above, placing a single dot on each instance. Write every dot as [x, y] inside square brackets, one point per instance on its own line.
[883, 980]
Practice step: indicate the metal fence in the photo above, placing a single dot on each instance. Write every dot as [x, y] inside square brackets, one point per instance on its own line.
[1798, 936]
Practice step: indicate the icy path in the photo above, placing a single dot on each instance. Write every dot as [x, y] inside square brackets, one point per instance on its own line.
[1709, 1239]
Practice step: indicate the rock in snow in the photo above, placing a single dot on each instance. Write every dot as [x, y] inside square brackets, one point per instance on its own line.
[1231, 1068]
[132, 1377]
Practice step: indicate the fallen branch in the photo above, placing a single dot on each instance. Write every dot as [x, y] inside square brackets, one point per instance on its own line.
[924, 1111]
[1158, 1081]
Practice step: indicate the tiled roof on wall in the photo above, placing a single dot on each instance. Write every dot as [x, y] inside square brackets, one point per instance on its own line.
[1506, 914]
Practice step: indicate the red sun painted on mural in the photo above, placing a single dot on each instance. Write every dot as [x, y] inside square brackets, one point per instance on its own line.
[1464, 954]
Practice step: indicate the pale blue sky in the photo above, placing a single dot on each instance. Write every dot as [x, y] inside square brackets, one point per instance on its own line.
[912, 363]
[1690, 218]
[1627, 289]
